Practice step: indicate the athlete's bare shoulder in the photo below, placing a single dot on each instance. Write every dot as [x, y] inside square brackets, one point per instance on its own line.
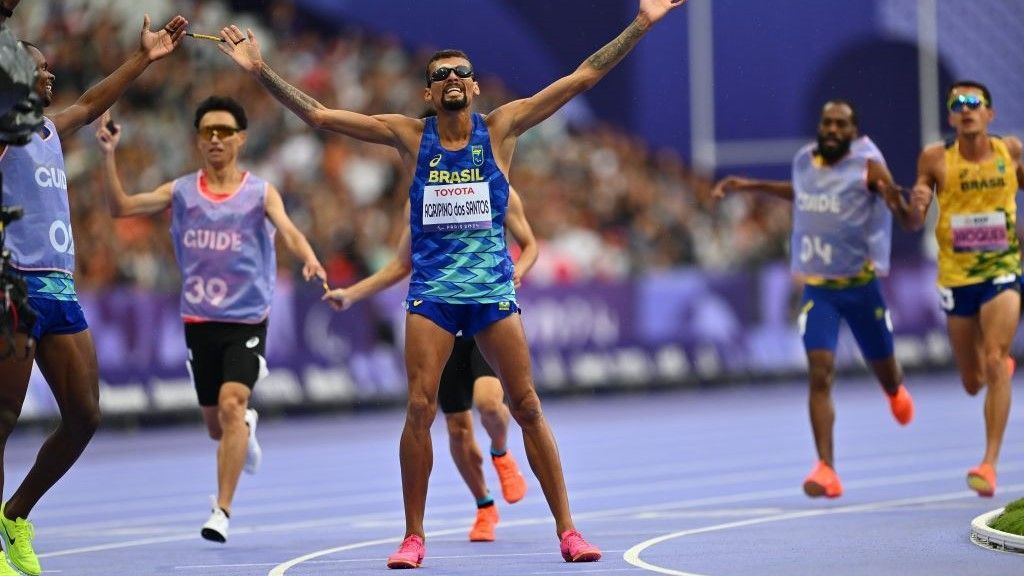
[934, 153]
[1013, 146]
[931, 166]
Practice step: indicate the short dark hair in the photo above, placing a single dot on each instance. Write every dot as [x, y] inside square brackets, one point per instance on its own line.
[222, 103]
[441, 55]
[971, 84]
[842, 102]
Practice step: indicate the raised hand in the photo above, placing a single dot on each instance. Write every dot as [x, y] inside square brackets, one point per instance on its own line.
[156, 45]
[654, 10]
[338, 299]
[243, 49]
[107, 133]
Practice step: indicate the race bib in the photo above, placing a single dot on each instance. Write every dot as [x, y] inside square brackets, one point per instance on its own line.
[456, 207]
[985, 232]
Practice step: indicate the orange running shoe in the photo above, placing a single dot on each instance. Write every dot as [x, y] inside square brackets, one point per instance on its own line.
[513, 485]
[409, 554]
[576, 549]
[902, 406]
[483, 529]
[982, 480]
[823, 481]
[1011, 365]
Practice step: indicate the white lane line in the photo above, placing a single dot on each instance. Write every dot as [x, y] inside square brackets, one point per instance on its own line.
[593, 571]
[117, 545]
[655, 507]
[633, 554]
[645, 482]
[376, 559]
[280, 569]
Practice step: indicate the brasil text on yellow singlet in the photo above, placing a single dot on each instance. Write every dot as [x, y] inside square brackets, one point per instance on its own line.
[977, 224]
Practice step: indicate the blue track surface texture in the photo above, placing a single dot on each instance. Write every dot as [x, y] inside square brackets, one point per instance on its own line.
[696, 482]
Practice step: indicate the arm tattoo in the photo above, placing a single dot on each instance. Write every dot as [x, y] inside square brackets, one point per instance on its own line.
[618, 48]
[296, 100]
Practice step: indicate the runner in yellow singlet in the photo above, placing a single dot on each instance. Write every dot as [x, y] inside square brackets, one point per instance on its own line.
[975, 177]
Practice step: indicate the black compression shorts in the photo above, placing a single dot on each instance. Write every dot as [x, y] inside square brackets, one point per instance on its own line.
[464, 366]
[220, 352]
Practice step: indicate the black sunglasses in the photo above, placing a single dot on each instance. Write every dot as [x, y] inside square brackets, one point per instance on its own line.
[442, 72]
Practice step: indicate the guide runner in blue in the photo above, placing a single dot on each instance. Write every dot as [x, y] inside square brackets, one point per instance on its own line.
[43, 249]
[844, 200]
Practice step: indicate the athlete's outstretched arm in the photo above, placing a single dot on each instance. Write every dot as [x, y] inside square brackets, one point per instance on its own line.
[244, 49]
[118, 201]
[293, 239]
[517, 225]
[152, 47]
[397, 268]
[778, 188]
[524, 114]
[880, 180]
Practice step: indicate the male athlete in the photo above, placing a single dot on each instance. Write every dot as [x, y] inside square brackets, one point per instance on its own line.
[44, 254]
[466, 381]
[462, 274]
[975, 177]
[223, 221]
[843, 200]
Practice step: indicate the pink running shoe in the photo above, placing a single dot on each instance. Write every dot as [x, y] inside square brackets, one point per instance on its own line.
[576, 549]
[409, 554]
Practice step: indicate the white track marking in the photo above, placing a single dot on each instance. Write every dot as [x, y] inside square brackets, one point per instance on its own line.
[633, 554]
[663, 507]
[280, 569]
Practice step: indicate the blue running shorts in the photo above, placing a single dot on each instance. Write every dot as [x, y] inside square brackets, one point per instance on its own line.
[467, 318]
[53, 298]
[862, 307]
[967, 300]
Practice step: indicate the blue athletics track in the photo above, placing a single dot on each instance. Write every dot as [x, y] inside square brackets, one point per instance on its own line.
[685, 482]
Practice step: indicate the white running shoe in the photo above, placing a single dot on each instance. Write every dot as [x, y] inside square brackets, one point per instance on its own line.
[216, 528]
[253, 452]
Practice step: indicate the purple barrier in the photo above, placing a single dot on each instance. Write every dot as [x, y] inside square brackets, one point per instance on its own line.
[675, 327]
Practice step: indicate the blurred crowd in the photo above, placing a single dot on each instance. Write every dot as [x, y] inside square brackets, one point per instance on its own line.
[603, 204]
